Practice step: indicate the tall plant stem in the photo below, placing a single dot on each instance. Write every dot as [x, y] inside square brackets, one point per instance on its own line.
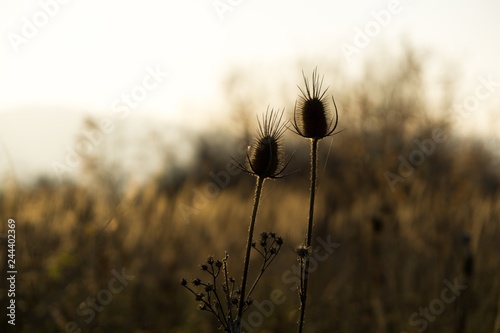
[258, 190]
[303, 291]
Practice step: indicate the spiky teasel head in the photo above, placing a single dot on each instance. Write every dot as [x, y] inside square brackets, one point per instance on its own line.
[312, 118]
[265, 157]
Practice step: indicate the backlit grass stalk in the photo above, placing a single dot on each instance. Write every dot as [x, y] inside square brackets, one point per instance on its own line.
[241, 305]
[305, 271]
[265, 160]
[311, 121]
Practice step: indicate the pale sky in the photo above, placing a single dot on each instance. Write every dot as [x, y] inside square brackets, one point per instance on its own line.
[171, 56]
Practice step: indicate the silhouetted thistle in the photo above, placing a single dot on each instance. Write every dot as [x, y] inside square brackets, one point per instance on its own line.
[265, 160]
[312, 120]
[266, 154]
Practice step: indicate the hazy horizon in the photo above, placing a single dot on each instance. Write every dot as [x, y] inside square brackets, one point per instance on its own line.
[122, 123]
[172, 62]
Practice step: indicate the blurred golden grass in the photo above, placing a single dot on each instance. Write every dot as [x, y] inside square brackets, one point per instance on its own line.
[396, 247]
[66, 248]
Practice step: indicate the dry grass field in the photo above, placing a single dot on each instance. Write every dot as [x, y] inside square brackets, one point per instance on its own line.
[417, 253]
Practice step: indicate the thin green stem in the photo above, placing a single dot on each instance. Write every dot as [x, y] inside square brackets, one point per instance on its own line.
[303, 292]
[258, 190]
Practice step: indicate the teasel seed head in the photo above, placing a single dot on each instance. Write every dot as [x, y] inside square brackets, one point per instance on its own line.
[312, 118]
[266, 154]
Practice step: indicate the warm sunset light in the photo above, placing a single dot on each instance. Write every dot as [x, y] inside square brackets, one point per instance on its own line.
[249, 166]
[73, 58]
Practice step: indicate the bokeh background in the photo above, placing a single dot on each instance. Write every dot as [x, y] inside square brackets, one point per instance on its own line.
[119, 121]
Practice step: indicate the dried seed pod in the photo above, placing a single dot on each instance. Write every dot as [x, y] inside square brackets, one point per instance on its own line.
[312, 118]
[266, 154]
[302, 251]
